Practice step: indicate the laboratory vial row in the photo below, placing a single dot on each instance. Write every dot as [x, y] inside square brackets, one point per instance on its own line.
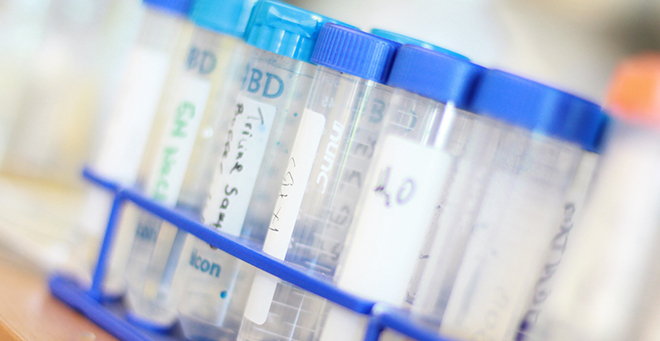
[397, 170]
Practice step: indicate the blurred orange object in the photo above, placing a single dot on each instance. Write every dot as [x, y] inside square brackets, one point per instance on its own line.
[634, 93]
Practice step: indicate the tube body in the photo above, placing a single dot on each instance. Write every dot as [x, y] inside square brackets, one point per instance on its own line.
[162, 39]
[529, 176]
[176, 170]
[318, 194]
[420, 145]
[246, 179]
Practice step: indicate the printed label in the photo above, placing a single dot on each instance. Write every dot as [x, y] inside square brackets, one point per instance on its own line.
[288, 204]
[178, 140]
[237, 171]
[136, 107]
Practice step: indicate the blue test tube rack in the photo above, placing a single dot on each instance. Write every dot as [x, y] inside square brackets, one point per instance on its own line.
[111, 316]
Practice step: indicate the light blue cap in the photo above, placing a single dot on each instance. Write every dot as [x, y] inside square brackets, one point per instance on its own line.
[180, 7]
[401, 39]
[539, 108]
[222, 16]
[284, 29]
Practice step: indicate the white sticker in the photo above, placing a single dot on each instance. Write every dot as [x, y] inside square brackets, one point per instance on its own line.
[397, 207]
[178, 140]
[286, 210]
[236, 175]
[136, 107]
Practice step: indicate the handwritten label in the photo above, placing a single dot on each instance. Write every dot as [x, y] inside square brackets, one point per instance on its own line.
[236, 175]
[178, 140]
[573, 205]
[404, 184]
[288, 204]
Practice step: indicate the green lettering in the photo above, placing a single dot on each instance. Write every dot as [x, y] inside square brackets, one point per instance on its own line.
[184, 113]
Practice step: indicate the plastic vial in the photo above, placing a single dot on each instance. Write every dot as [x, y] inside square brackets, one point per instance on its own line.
[572, 210]
[608, 289]
[533, 138]
[265, 116]
[177, 169]
[463, 123]
[422, 137]
[163, 34]
[324, 175]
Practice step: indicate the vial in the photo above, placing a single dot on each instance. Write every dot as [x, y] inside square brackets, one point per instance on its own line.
[572, 211]
[324, 175]
[608, 288]
[531, 141]
[265, 116]
[164, 32]
[420, 142]
[177, 167]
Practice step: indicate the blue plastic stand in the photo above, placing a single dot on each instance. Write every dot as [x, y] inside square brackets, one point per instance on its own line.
[111, 316]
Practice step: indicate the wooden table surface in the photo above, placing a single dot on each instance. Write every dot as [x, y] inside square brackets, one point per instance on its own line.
[29, 312]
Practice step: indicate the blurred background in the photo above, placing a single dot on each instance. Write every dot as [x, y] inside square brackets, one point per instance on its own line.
[61, 61]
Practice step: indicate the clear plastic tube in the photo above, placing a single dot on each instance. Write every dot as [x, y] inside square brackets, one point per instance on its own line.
[265, 118]
[607, 290]
[421, 143]
[163, 37]
[571, 213]
[318, 195]
[529, 177]
[452, 224]
[177, 170]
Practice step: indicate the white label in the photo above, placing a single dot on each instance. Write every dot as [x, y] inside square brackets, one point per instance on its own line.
[236, 175]
[124, 145]
[178, 140]
[286, 210]
[397, 209]
[396, 212]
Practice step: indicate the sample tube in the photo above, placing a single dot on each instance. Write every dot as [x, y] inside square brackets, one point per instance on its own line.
[324, 175]
[608, 288]
[178, 166]
[264, 119]
[163, 36]
[456, 151]
[535, 136]
[421, 140]
[572, 210]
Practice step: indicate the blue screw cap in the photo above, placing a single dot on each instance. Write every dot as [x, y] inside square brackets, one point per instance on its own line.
[180, 7]
[436, 75]
[539, 108]
[401, 39]
[222, 16]
[355, 52]
[600, 135]
[284, 29]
